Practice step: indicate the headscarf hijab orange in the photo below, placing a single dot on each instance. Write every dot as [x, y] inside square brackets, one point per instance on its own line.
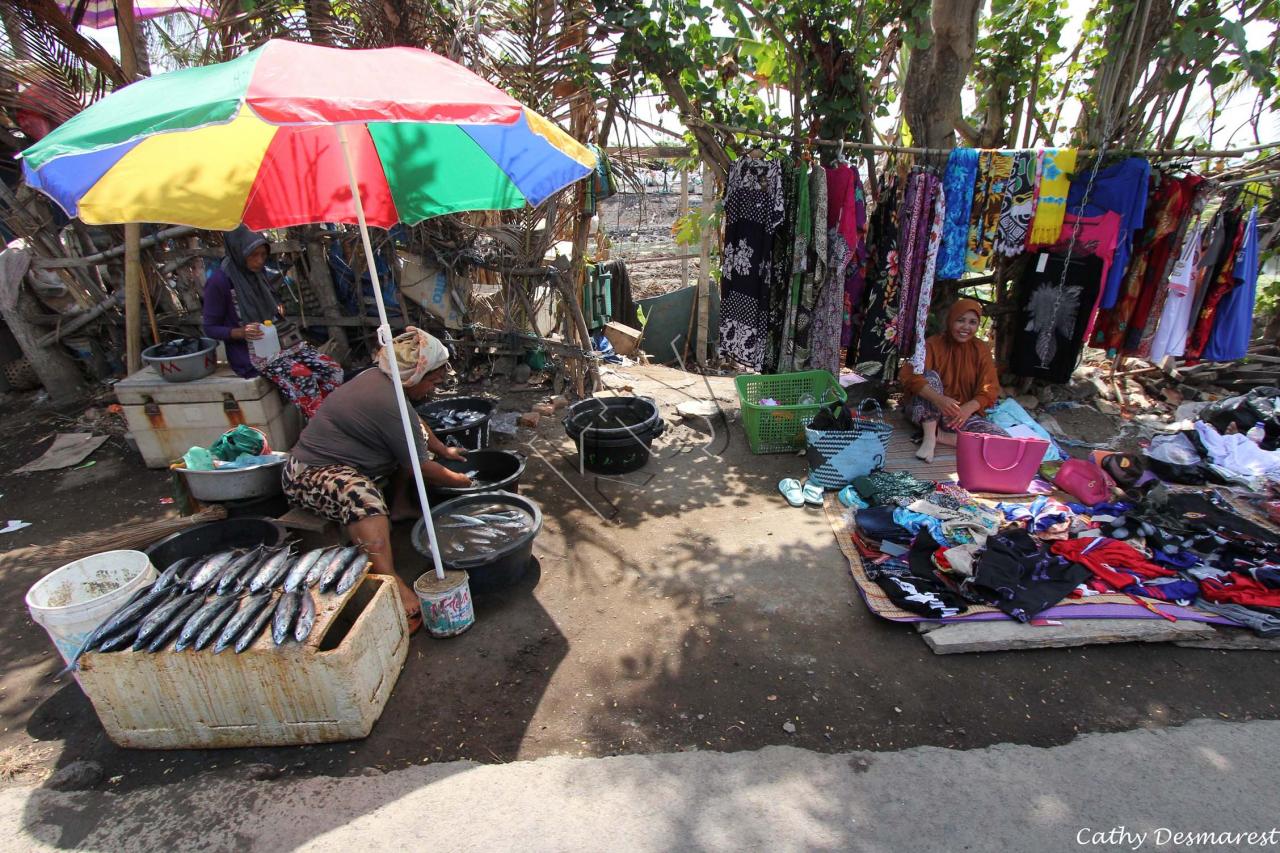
[967, 370]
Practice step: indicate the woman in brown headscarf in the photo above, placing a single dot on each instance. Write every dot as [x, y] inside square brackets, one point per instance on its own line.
[959, 381]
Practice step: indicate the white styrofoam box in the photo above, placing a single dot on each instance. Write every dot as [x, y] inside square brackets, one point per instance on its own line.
[324, 689]
[169, 418]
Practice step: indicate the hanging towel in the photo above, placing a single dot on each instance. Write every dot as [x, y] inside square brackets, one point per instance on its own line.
[1056, 167]
[962, 172]
[994, 168]
[1018, 206]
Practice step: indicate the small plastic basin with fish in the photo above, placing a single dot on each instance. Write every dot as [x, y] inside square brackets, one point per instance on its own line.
[489, 534]
[490, 470]
[465, 419]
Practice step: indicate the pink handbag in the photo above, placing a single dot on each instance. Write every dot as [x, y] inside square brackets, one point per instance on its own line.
[1084, 481]
[997, 463]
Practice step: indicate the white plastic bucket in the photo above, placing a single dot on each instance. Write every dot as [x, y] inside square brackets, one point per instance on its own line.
[71, 601]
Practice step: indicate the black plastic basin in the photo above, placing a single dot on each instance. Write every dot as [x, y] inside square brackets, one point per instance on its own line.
[214, 537]
[613, 434]
[497, 471]
[473, 435]
[490, 572]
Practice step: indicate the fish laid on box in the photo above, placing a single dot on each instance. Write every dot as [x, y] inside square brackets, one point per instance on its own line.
[227, 599]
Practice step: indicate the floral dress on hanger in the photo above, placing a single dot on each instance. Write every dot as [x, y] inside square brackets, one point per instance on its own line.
[754, 209]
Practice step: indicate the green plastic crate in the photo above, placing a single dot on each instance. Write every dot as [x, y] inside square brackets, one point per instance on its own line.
[780, 429]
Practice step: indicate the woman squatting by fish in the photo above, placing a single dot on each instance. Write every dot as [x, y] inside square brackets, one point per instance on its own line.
[357, 436]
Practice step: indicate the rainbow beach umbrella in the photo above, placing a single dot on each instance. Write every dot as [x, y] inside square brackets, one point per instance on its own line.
[293, 133]
[101, 14]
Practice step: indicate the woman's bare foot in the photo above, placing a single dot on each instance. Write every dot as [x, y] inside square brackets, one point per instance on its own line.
[928, 446]
[412, 606]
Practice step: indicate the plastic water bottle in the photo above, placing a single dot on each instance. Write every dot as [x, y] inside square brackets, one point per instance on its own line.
[268, 346]
[1257, 433]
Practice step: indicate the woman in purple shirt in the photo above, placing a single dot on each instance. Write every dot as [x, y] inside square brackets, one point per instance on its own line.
[238, 298]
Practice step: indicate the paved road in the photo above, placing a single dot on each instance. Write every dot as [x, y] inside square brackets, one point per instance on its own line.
[1126, 791]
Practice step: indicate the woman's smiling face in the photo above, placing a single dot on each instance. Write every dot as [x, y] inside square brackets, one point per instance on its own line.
[964, 327]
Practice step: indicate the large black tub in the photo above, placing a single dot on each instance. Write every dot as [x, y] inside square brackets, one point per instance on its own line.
[496, 471]
[490, 572]
[214, 537]
[613, 434]
[471, 432]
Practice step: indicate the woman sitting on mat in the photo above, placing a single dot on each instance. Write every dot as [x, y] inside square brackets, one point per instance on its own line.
[957, 367]
[357, 436]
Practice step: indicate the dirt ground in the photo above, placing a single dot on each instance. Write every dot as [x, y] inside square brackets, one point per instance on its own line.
[638, 225]
[682, 607]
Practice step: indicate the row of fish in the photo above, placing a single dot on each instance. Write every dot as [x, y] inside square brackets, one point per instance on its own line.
[226, 600]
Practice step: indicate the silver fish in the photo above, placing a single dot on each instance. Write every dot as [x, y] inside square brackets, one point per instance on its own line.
[271, 572]
[215, 626]
[253, 605]
[160, 617]
[286, 612]
[468, 520]
[318, 567]
[209, 570]
[352, 574]
[337, 564]
[130, 608]
[200, 618]
[251, 633]
[301, 568]
[238, 568]
[306, 617]
[170, 575]
[170, 630]
[498, 516]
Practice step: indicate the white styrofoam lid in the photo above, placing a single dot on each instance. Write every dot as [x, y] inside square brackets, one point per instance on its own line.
[147, 383]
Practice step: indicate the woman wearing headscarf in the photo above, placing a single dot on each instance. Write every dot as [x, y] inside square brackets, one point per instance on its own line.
[959, 382]
[238, 300]
[357, 436]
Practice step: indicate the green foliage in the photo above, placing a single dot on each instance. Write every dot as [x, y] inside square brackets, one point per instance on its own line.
[1012, 38]
[688, 229]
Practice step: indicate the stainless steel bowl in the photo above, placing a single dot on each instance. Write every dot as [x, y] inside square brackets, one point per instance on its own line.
[234, 484]
[184, 368]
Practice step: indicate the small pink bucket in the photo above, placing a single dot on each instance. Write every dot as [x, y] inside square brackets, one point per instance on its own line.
[996, 463]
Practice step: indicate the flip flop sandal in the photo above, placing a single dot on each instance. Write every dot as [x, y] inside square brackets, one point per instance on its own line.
[813, 494]
[791, 490]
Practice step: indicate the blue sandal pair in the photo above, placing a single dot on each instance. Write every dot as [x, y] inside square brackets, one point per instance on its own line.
[798, 494]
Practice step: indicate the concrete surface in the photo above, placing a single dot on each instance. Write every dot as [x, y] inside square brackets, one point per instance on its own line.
[1112, 792]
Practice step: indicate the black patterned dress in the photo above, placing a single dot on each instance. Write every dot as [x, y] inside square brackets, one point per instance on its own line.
[754, 210]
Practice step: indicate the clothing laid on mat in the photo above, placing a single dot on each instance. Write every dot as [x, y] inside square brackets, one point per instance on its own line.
[1117, 563]
[921, 595]
[891, 488]
[754, 209]
[1023, 579]
[1262, 624]
[1055, 299]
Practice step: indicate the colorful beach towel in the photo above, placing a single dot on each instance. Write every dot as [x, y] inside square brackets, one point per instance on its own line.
[1018, 206]
[994, 168]
[962, 172]
[1056, 168]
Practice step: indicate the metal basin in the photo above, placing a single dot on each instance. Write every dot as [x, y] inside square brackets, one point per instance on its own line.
[234, 484]
[184, 368]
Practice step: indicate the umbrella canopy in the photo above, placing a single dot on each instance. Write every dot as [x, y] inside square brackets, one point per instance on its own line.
[100, 14]
[255, 140]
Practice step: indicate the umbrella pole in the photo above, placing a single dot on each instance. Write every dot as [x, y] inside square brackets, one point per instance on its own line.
[384, 338]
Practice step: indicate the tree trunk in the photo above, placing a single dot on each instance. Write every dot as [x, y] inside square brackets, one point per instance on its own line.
[57, 372]
[320, 22]
[936, 73]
